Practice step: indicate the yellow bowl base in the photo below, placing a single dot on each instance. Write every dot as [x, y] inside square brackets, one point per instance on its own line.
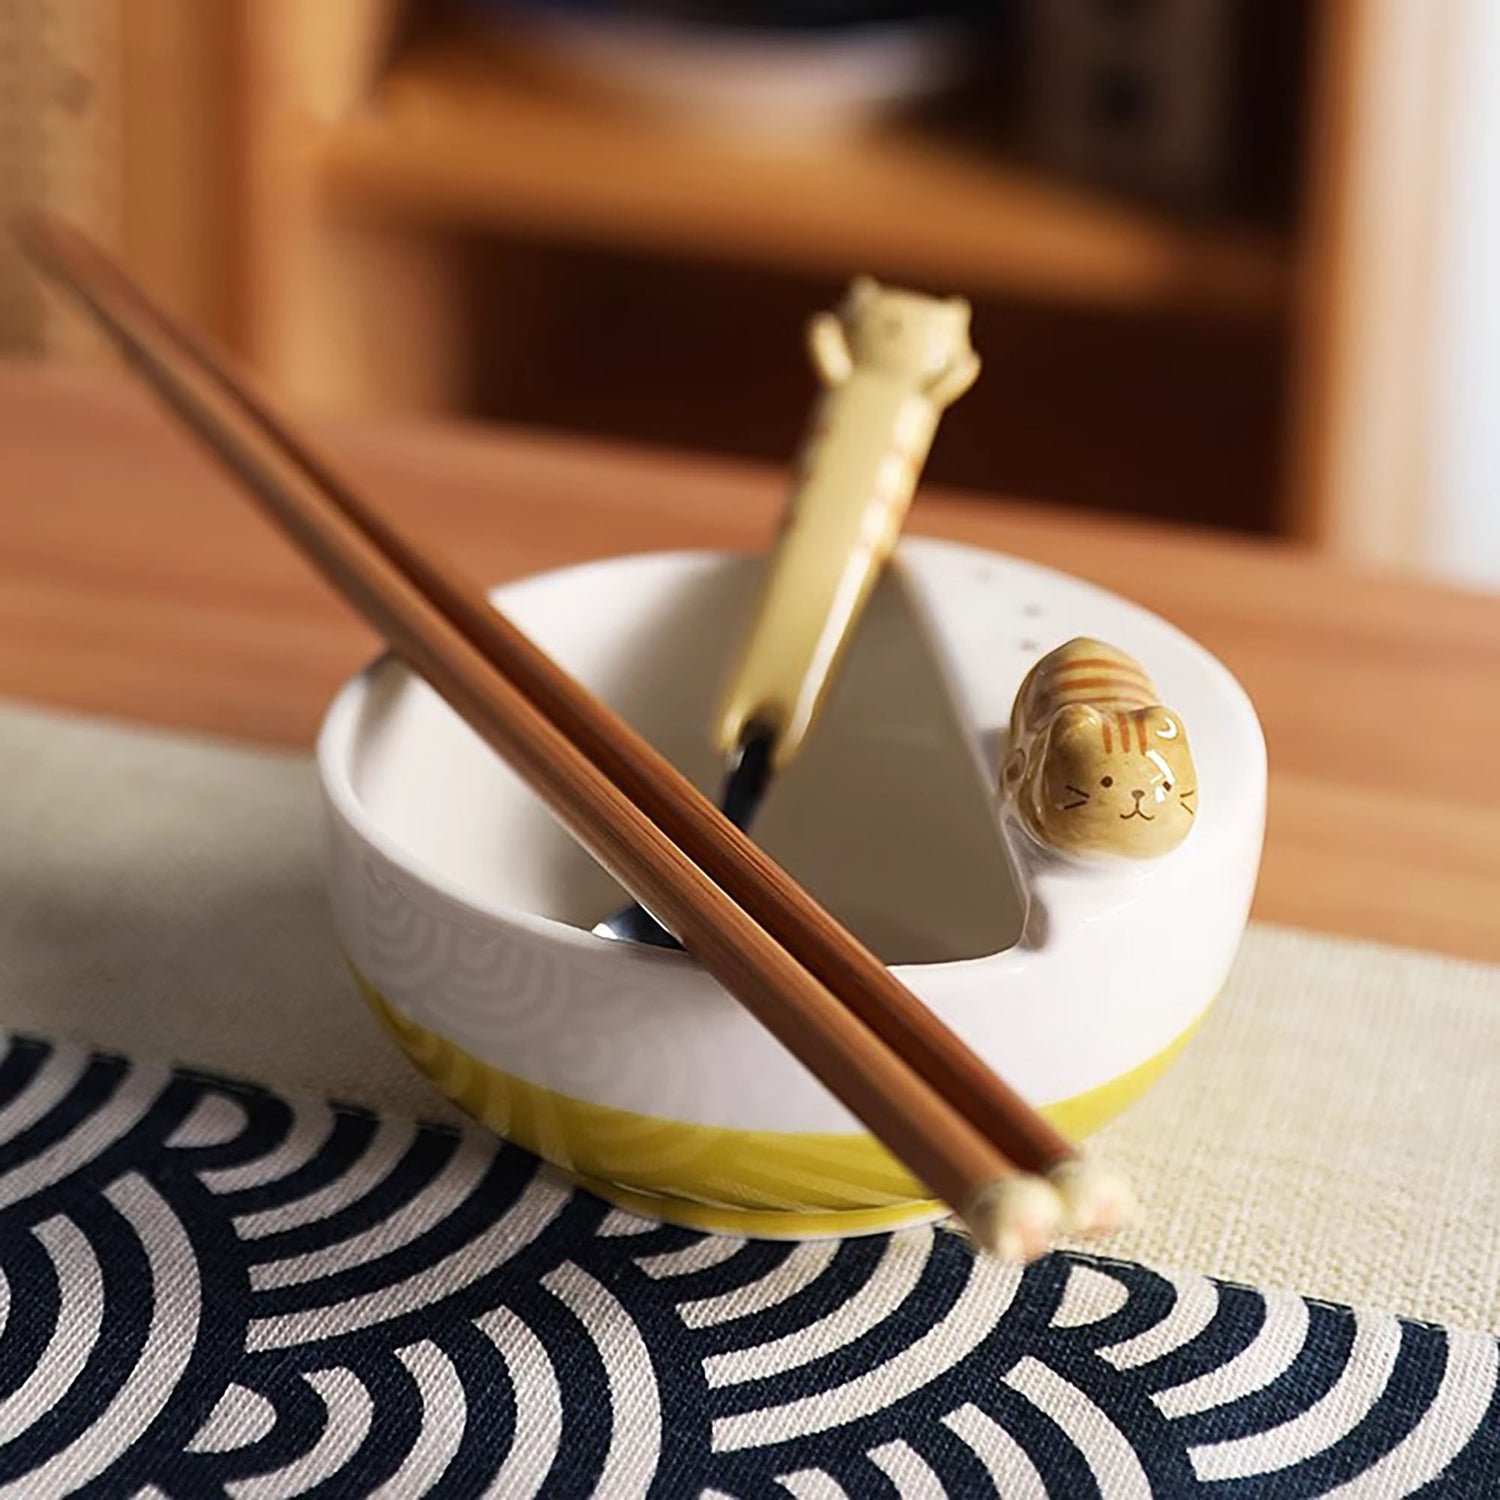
[767, 1224]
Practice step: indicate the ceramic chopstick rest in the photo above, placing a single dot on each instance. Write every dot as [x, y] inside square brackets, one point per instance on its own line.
[1096, 766]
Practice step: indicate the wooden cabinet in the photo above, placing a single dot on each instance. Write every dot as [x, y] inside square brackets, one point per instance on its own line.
[386, 220]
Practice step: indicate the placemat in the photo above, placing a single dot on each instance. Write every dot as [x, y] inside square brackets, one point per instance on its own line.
[1331, 1128]
[210, 1288]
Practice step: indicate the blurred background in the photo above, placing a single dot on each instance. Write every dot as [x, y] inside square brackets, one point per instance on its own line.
[1233, 261]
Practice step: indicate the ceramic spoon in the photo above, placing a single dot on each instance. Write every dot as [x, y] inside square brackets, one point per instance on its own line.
[890, 362]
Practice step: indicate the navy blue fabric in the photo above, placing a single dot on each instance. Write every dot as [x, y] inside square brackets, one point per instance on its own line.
[207, 1284]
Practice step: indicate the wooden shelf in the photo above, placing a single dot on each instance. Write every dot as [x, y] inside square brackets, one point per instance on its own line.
[454, 137]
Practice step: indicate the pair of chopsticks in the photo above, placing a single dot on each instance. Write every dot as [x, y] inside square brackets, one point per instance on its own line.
[936, 1105]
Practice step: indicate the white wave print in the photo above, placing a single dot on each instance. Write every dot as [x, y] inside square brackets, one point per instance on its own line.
[173, 1332]
[706, 1251]
[1105, 1449]
[444, 1415]
[813, 1484]
[806, 1262]
[434, 966]
[538, 1434]
[305, 1137]
[1192, 1312]
[659, 1344]
[80, 1319]
[240, 1417]
[890, 1284]
[473, 987]
[213, 1121]
[539, 1203]
[619, 1221]
[1372, 1359]
[913, 1476]
[1462, 1399]
[635, 1403]
[988, 1292]
[1089, 1296]
[46, 1088]
[1272, 1352]
[348, 1411]
[1009, 1464]
[390, 1141]
[485, 971]
[434, 1203]
[95, 1133]
[409, 943]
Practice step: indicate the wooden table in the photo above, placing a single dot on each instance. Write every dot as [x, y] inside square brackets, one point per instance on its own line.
[134, 584]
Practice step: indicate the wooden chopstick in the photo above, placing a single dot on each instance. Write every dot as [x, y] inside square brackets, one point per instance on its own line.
[247, 435]
[737, 864]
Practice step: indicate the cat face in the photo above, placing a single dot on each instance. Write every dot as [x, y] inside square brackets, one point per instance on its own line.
[1113, 783]
[905, 333]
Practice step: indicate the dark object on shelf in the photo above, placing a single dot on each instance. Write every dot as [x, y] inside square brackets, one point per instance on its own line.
[1135, 93]
[789, 70]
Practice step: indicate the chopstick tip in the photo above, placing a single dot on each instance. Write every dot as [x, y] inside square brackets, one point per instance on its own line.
[1096, 1199]
[42, 237]
[1016, 1218]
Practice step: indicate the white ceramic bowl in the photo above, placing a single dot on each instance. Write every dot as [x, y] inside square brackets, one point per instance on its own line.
[466, 912]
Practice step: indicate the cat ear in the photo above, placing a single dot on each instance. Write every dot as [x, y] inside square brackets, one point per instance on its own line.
[1073, 721]
[862, 289]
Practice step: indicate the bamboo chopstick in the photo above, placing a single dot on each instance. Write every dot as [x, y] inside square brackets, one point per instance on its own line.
[735, 909]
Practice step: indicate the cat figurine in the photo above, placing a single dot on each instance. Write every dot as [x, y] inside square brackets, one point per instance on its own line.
[1096, 766]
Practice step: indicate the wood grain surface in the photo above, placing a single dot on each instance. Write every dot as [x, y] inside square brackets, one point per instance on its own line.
[133, 583]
